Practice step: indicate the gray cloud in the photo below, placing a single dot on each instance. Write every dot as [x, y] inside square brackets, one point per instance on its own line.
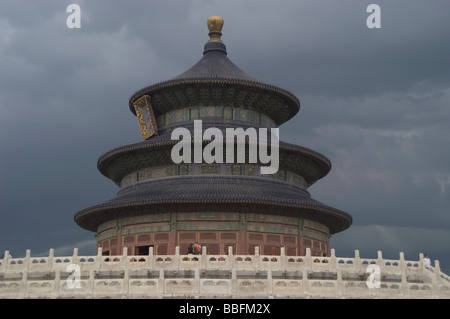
[374, 101]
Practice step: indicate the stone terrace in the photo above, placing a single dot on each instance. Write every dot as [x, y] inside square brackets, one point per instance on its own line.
[219, 276]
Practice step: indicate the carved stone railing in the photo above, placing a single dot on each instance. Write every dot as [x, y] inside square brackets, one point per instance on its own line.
[230, 276]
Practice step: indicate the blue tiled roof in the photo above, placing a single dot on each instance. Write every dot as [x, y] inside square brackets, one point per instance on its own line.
[222, 190]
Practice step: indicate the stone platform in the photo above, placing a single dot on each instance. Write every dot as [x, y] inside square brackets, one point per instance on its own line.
[219, 276]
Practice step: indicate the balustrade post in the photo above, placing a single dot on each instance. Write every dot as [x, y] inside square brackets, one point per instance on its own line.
[421, 262]
[203, 261]
[74, 258]
[333, 261]
[234, 282]
[26, 264]
[357, 261]
[403, 270]
[150, 258]
[230, 257]
[334, 266]
[402, 261]
[161, 281]
[339, 283]
[436, 278]
[177, 257]
[305, 281]
[197, 281]
[269, 283]
[380, 261]
[308, 258]
[256, 260]
[5, 261]
[125, 281]
[57, 284]
[437, 267]
[50, 259]
[124, 258]
[308, 266]
[98, 258]
[91, 283]
[379, 255]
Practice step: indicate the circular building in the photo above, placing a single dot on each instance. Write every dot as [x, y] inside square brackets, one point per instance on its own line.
[228, 201]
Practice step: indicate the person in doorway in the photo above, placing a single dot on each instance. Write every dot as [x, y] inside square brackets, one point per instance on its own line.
[197, 249]
[191, 249]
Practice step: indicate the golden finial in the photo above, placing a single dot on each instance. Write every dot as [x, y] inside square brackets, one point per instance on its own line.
[215, 25]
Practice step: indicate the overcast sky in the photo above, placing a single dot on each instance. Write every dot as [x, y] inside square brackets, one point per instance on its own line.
[376, 102]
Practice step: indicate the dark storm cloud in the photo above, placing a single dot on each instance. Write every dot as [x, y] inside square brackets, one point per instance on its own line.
[374, 101]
